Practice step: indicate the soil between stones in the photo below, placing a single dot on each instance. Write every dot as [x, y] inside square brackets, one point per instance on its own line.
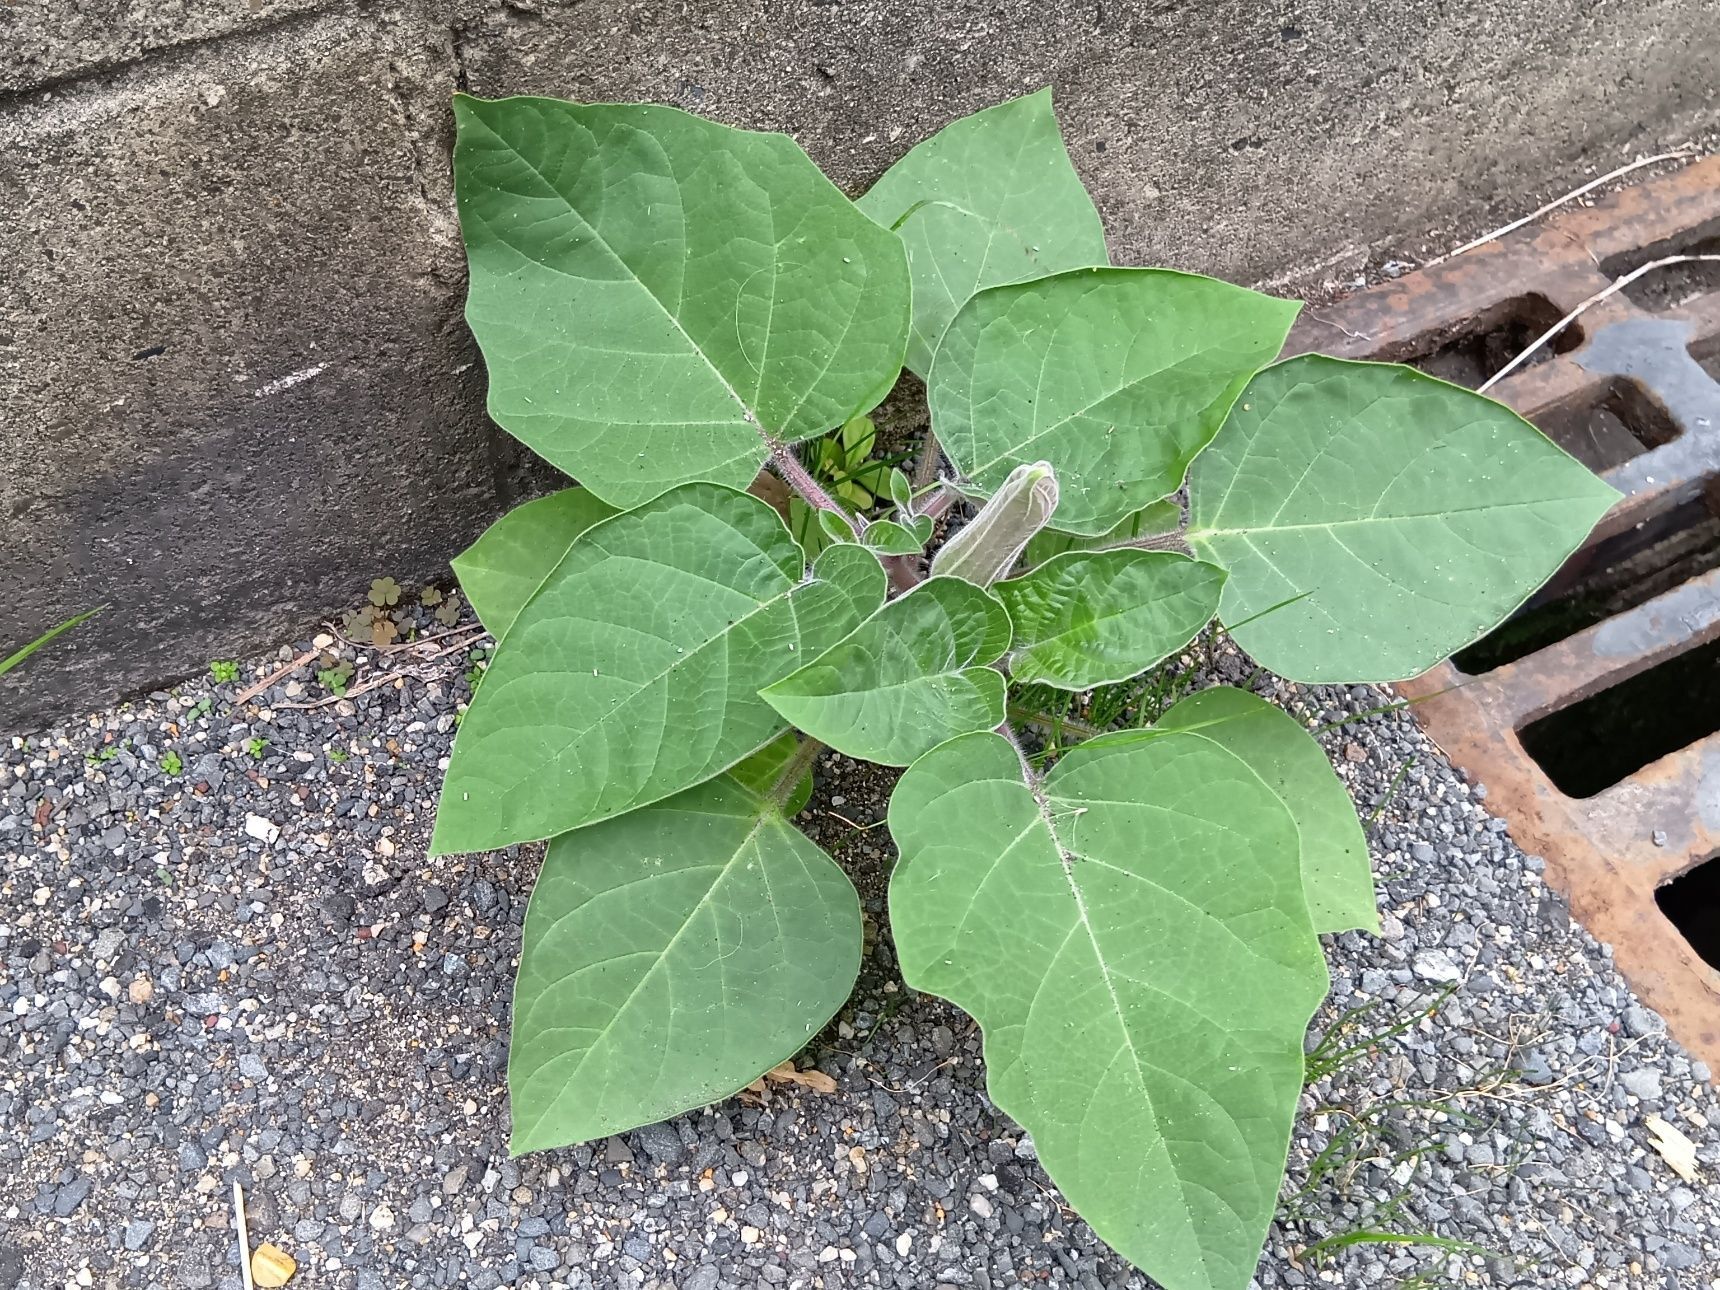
[190, 997]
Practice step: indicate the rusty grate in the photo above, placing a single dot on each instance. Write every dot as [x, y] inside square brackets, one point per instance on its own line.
[1592, 716]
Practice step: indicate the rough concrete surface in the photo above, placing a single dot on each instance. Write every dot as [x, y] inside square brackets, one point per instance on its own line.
[236, 377]
[205, 203]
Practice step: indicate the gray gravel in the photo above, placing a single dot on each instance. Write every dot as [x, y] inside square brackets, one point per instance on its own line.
[250, 971]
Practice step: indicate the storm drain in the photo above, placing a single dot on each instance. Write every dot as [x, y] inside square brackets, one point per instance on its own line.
[1593, 715]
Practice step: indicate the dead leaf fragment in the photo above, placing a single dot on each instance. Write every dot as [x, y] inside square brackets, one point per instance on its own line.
[815, 1080]
[272, 1266]
[1678, 1151]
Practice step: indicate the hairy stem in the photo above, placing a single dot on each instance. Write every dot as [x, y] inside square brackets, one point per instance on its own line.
[1177, 541]
[798, 763]
[1060, 725]
[903, 572]
[926, 469]
[801, 481]
[1027, 771]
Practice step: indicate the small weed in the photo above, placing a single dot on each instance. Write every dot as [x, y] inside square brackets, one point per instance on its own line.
[384, 592]
[171, 763]
[224, 670]
[106, 753]
[255, 747]
[335, 679]
[202, 708]
[339, 756]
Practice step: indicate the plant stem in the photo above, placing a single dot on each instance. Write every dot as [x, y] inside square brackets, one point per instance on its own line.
[800, 479]
[1177, 541]
[1027, 771]
[926, 469]
[903, 572]
[799, 762]
[938, 504]
[1080, 729]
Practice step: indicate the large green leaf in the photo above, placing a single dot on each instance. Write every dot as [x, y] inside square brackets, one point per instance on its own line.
[1117, 377]
[634, 671]
[514, 555]
[658, 297]
[1134, 943]
[1153, 519]
[908, 678]
[1336, 877]
[989, 199]
[1097, 617]
[672, 956]
[1401, 516]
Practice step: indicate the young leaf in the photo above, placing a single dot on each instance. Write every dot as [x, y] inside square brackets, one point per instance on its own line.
[671, 957]
[634, 671]
[889, 538]
[901, 491]
[1098, 617]
[659, 298]
[504, 566]
[1336, 876]
[1162, 516]
[989, 199]
[1134, 943]
[1409, 516]
[908, 678]
[1117, 377]
[836, 527]
[759, 773]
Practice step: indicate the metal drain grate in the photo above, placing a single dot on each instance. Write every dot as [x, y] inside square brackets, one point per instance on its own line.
[1590, 715]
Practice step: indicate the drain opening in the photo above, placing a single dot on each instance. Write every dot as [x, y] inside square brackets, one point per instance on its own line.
[1677, 284]
[1474, 350]
[1624, 422]
[1591, 745]
[1607, 579]
[1692, 902]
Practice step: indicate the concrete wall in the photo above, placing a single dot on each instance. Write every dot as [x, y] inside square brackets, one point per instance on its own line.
[234, 383]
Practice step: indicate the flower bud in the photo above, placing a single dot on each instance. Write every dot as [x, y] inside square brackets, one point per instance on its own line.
[986, 549]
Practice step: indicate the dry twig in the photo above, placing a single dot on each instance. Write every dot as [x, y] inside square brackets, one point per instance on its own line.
[1606, 293]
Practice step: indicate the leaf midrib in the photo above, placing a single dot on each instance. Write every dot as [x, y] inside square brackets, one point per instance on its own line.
[746, 411]
[601, 1034]
[1250, 530]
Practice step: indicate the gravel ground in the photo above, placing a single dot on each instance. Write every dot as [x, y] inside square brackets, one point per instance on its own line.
[248, 970]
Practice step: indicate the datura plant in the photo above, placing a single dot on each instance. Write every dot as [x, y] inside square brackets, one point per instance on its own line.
[668, 306]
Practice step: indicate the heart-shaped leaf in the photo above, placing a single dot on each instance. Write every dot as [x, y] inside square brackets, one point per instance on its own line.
[1336, 876]
[1399, 517]
[1134, 943]
[634, 671]
[989, 199]
[1098, 617]
[908, 678]
[671, 957]
[661, 298]
[512, 557]
[1117, 377]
